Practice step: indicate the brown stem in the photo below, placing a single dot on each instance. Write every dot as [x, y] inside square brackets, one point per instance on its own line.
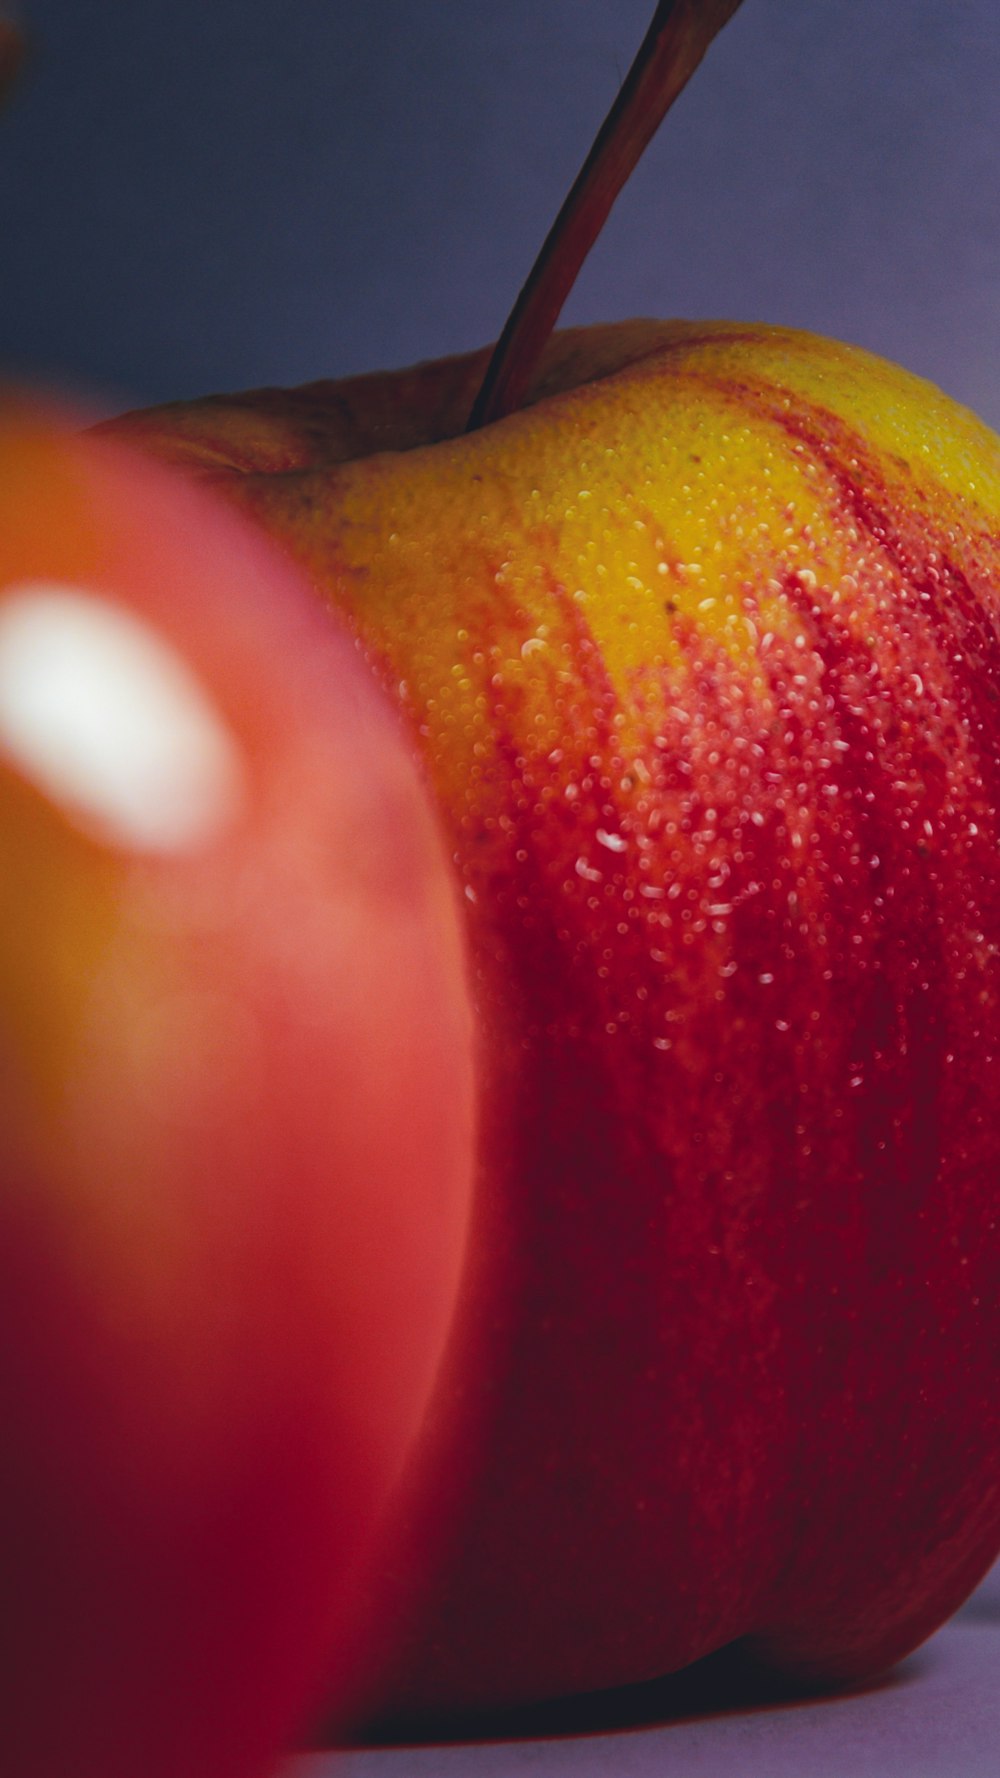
[673, 46]
[11, 55]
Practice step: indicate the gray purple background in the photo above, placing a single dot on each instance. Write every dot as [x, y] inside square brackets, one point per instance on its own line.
[204, 194]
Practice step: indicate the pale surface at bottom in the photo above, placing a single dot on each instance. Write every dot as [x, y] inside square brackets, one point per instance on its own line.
[937, 1716]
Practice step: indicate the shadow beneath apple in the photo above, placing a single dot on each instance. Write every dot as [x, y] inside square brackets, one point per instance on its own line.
[724, 1683]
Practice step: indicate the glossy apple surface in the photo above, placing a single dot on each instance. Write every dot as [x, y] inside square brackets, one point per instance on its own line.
[236, 1099]
[701, 649]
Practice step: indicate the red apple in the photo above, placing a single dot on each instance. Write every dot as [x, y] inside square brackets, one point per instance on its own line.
[702, 649]
[237, 1102]
[703, 654]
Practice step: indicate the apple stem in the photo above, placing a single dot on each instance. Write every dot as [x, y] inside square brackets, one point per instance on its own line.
[673, 46]
[11, 55]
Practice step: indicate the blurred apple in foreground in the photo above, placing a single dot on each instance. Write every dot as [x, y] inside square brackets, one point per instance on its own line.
[702, 651]
[236, 1099]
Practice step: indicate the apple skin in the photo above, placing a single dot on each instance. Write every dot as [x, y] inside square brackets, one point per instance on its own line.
[237, 1100]
[701, 648]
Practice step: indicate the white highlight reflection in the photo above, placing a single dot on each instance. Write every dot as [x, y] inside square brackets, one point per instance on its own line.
[105, 716]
